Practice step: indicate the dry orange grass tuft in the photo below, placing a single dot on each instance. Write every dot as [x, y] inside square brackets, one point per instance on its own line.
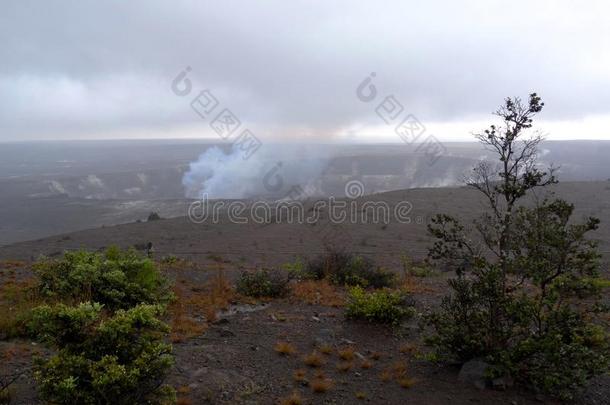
[415, 285]
[206, 299]
[294, 399]
[398, 372]
[17, 299]
[326, 349]
[385, 375]
[347, 353]
[375, 355]
[366, 364]
[407, 348]
[314, 359]
[317, 292]
[321, 384]
[361, 395]
[344, 366]
[299, 375]
[406, 382]
[284, 348]
[184, 401]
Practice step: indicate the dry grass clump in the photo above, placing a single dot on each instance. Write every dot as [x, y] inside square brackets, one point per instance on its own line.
[300, 375]
[344, 366]
[326, 349]
[294, 399]
[361, 395]
[406, 382]
[317, 292]
[366, 364]
[284, 348]
[17, 299]
[346, 353]
[414, 285]
[398, 372]
[314, 359]
[375, 355]
[407, 348]
[207, 299]
[320, 384]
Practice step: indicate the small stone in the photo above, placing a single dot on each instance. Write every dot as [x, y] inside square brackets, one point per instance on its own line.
[224, 332]
[502, 383]
[474, 372]
[315, 319]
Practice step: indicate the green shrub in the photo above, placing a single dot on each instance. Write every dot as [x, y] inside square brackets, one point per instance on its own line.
[117, 359]
[116, 279]
[153, 216]
[415, 270]
[527, 287]
[262, 283]
[377, 306]
[297, 270]
[346, 269]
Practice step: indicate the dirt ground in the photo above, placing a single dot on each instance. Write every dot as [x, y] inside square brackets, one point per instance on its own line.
[232, 358]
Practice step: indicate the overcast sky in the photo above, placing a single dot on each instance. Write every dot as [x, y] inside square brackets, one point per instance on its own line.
[290, 69]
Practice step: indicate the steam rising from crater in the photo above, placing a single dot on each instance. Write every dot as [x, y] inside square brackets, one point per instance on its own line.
[270, 172]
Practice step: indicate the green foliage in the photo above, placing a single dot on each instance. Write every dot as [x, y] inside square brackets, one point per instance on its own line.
[527, 287]
[262, 283]
[115, 279]
[377, 306]
[117, 359]
[346, 269]
[415, 270]
[297, 270]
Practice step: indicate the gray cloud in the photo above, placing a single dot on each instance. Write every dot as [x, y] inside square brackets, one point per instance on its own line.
[79, 69]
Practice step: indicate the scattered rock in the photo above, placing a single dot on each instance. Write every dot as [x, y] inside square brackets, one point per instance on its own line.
[315, 319]
[221, 321]
[474, 372]
[225, 332]
[502, 383]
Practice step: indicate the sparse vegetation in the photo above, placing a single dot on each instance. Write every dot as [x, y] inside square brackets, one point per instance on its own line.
[344, 366]
[377, 306]
[293, 399]
[346, 269]
[314, 359]
[320, 384]
[300, 375]
[262, 283]
[346, 353]
[522, 298]
[284, 348]
[317, 292]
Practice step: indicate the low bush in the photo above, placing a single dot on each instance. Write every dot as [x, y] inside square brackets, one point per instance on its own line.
[118, 359]
[262, 283]
[346, 269]
[117, 279]
[377, 306]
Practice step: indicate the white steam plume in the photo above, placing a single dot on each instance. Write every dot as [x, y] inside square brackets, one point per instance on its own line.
[270, 172]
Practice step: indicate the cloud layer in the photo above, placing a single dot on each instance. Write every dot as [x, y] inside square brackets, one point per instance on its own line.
[290, 69]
